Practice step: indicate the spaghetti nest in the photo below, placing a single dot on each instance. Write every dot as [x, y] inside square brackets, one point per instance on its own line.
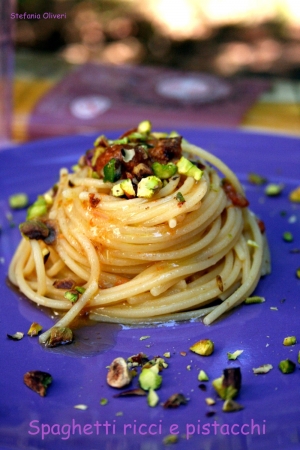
[146, 228]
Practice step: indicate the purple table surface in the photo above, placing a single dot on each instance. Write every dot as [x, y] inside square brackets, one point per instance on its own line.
[271, 415]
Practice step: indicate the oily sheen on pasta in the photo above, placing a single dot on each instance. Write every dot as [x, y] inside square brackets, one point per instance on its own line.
[145, 228]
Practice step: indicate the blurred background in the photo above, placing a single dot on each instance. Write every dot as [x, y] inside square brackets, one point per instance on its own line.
[228, 38]
[85, 65]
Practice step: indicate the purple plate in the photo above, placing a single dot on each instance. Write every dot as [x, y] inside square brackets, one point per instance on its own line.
[271, 415]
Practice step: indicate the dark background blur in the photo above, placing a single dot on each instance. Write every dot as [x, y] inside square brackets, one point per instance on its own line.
[248, 37]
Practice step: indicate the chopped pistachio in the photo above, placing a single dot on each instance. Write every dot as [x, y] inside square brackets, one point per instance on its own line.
[121, 141]
[180, 198]
[72, 295]
[294, 196]
[103, 401]
[205, 347]
[148, 185]
[18, 201]
[254, 178]
[298, 273]
[37, 209]
[80, 289]
[231, 406]
[117, 191]
[112, 170]
[150, 379]
[144, 127]
[210, 401]
[287, 236]
[298, 359]
[254, 299]
[142, 338]
[38, 381]
[188, 367]
[287, 366]
[34, 329]
[265, 368]
[152, 398]
[290, 340]
[252, 243]
[34, 229]
[81, 407]
[167, 354]
[234, 355]
[127, 188]
[118, 375]
[202, 376]
[273, 189]
[175, 400]
[186, 167]
[170, 439]
[229, 384]
[59, 336]
[157, 360]
[164, 171]
[17, 336]
[137, 392]
[273, 308]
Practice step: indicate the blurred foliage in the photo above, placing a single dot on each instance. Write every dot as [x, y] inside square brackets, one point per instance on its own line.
[186, 34]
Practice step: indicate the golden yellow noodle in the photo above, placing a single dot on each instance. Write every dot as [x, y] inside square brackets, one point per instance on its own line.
[143, 260]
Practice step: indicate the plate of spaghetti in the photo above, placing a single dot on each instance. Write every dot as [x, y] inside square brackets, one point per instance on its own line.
[168, 237]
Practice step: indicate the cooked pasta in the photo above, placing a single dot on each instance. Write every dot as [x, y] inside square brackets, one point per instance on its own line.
[145, 228]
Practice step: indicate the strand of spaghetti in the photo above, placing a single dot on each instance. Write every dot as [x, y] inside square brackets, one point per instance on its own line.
[24, 250]
[26, 289]
[97, 316]
[136, 286]
[245, 289]
[212, 159]
[39, 267]
[73, 312]
[178, 302]
[92, 287]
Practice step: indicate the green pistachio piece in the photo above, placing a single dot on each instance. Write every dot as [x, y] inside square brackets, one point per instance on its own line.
[265, 368]
[254, 178]
[18, 201]
[273, 189]
[254, 299]
[164, 171]
[202, 376]
[147, 186]
[287, 366]
[290, 340]
[112, 170]
[205, 347]
[38, 381]
[180, 198]
[72, 295]
[229, 384]
[152, 398]
[59, 336]
[34, 329]
[37, 209]
[150, 379]
[287, 236]
[144, 127]
[186, 167]
[231, 406]
[234, 355]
